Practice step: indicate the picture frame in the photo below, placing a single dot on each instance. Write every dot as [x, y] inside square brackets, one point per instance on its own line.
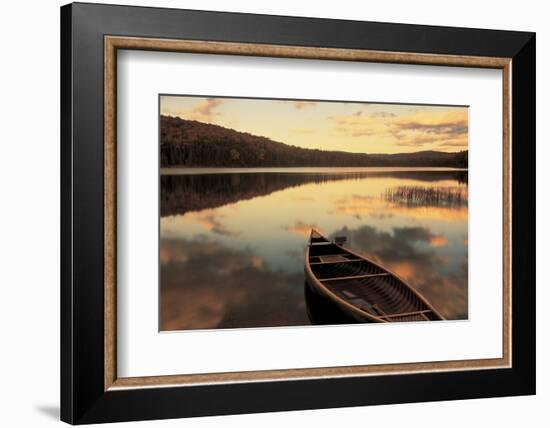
[91, 35]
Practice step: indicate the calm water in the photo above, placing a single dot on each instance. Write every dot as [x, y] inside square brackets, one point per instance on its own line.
[233, 241]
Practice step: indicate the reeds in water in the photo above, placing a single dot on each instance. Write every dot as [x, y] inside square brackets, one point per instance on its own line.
[428, 196]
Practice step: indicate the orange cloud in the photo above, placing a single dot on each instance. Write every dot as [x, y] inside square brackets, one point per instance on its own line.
[205, 107]
[203, 111]
[405, 270]
[302, 229]
[210, 221]
[358, 207]
[439, 241]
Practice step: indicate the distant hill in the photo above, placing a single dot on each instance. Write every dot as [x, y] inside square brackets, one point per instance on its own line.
[197, 144]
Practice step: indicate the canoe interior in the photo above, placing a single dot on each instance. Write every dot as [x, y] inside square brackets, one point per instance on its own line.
[364, 284]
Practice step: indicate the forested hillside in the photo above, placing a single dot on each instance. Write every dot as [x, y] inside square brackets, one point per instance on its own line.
[197, 144]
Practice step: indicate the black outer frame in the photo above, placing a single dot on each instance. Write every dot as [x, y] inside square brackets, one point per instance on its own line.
[83, 399]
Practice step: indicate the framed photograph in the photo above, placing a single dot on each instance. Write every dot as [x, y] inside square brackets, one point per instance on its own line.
[265, 213]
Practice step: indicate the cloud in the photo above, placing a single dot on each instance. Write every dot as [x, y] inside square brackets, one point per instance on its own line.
[398, 245]
[303, 104]
[359, 132]
[211, 221]
[443, 129]
[439, 241]
[204, 110]
[453, 122]
[207, 106]
[360, 206]
[301, 229]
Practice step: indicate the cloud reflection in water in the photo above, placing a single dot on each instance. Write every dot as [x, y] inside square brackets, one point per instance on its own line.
[412, 253]
[206, 285]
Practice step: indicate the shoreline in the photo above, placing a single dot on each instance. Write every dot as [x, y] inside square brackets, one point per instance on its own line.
[300, 169]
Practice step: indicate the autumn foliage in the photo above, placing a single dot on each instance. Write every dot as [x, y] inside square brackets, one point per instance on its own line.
[197, 144]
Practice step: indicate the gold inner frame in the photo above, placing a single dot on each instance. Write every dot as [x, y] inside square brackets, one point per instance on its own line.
[113, 43]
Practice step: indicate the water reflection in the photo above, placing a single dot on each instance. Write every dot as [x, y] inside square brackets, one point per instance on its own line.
[207, 285]
[193, 192]
[420, 257]
[232, 245]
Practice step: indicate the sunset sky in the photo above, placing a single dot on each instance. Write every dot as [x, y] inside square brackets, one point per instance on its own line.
[347, 126]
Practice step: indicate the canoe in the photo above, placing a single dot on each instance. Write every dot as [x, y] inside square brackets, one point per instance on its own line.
[360, 289]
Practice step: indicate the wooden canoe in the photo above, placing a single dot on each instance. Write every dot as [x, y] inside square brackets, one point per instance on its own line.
[359, 288]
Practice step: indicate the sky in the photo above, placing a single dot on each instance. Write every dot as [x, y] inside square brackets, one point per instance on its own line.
[327, 125]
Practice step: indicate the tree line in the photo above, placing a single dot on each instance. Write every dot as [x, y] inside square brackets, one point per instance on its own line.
[196, 144]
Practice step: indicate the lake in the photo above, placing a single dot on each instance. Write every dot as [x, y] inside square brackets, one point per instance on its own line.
[232, 241]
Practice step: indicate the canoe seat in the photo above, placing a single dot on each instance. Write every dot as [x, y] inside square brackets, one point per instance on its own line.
[333, 258]
[336, 258]
[345, 278]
